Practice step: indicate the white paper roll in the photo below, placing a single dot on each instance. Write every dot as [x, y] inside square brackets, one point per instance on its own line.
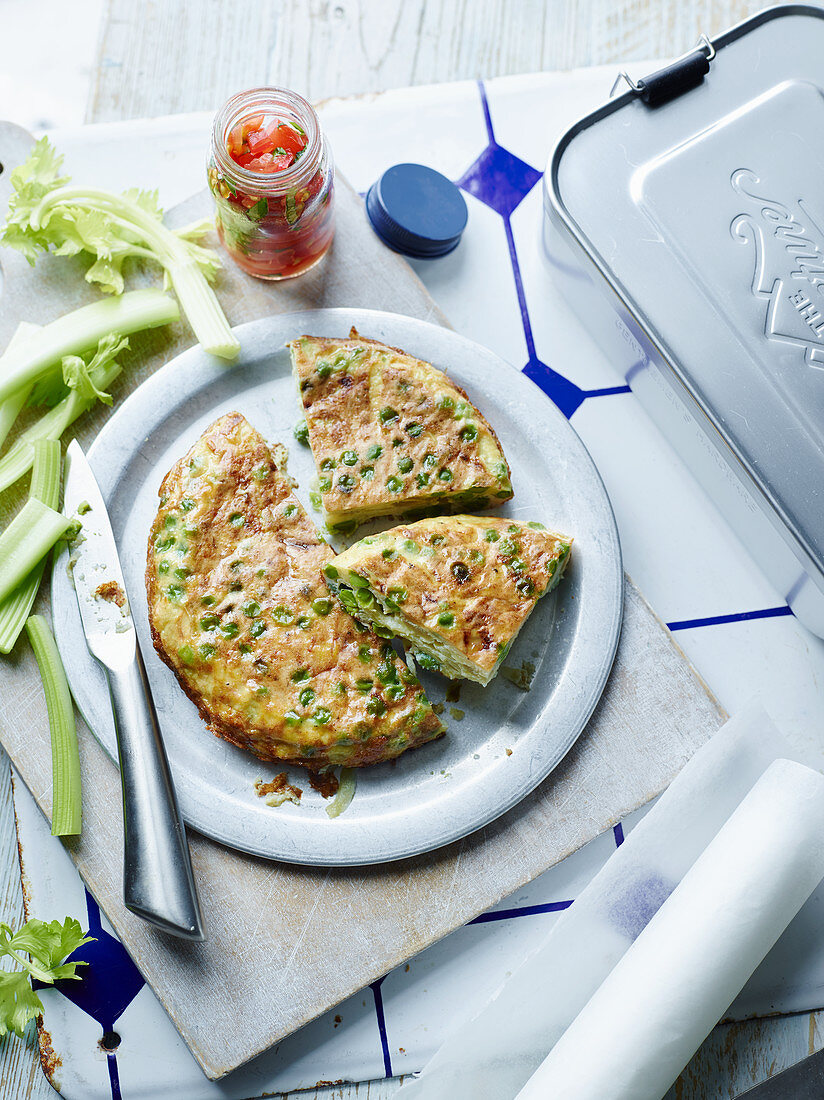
[650, 1015]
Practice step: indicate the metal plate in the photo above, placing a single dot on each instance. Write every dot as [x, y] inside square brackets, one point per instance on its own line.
[446, 789]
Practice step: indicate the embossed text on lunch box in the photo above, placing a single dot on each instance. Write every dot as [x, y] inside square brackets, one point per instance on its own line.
[788, 265]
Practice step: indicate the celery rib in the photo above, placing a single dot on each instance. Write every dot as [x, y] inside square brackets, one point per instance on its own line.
[45, 487]
[66, 795]
[26, 541]
[51, 425]
[81, 330]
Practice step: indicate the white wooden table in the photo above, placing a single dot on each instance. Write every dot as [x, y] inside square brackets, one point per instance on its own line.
[106, 60]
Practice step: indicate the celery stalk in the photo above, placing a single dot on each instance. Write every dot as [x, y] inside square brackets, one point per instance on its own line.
[81, 330]
[45, 487]
[66, 798]
[26, 541]
[51, 425]
[10, 408]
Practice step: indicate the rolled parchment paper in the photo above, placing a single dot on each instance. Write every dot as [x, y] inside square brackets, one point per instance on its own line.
[650, 1015]
[493, 1052]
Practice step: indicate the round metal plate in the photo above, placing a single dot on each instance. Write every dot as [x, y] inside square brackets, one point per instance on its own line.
[507, 741]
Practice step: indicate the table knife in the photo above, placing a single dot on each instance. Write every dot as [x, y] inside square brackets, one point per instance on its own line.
[158, 883]
[803, 1081]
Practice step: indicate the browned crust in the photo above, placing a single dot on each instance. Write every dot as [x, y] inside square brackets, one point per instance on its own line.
[375, 750]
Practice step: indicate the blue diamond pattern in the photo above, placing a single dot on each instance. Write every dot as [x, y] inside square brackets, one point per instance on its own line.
[499, 179]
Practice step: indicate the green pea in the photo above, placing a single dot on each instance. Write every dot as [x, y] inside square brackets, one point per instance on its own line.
[394, 484]
[321, 606]
[170, 521]
[427, 662]
[525, 586]
[206, 601]
[314, 500]
[410, 546]
[306, 697]
[446, 403]
[387, 415]
[469, 433]
[552, 566]
[187, 504]
[388, 554]
[414, 428]
[244, 647]
[324, 370]
[346, 483]
[491, 535]
[325, 484]
[330, 571]
[398, 442]
[405, 464]
[301, 432]
[251, 609]
[421, 480]
[164, 544]
[444, 474]
[300, 674]
[347, 598]
[365, 653]
[364, 686]
[164, 567]
[322, 716]
[446, 618]
[349, 458]
[396, 691]
[290, 510]
[367, 473]
[358, 580]
[257, 628]
[376, 706]
[536, 526]
[209, 622]
[283, 615]
[186, 654]
[236, 519]
[292, 718]
[304, 622]
[364, 598]
[261, 473]
[507, 546]
[397, 594]
[328, 464]
[206, 651]
[229, 629]
[429, 461]
[375, 451]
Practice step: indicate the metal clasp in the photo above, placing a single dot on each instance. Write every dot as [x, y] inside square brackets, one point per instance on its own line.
[703, 47]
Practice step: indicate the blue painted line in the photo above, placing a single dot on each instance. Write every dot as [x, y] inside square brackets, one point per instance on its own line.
[519, 289]
[521, 911]
[618, 833]
[607, 391]
[487, 117]
[114, 1077]
[378, 996]
[740, 617]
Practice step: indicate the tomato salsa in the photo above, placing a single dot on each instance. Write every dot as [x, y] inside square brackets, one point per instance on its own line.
[272, 179]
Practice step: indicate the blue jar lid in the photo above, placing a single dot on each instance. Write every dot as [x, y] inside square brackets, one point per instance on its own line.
[417, 211]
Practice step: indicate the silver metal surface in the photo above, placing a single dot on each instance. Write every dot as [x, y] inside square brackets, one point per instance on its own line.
[443, 790]
[158, 884]
[701, 224]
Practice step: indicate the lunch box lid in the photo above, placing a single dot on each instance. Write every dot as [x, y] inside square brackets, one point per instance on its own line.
[698, 195]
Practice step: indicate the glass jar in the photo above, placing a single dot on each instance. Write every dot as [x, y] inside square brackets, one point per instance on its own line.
[275, 224]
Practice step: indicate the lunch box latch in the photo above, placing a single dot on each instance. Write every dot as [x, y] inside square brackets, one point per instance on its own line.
[672, 81]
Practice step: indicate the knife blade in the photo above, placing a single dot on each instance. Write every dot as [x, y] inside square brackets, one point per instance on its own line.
[803, 1081]
[158, 882]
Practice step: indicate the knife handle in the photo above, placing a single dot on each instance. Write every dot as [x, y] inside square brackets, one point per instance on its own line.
[158, 883]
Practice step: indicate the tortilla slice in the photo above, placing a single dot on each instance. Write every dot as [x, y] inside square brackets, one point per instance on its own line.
[391, 434]
[240, 613]
[457, 589]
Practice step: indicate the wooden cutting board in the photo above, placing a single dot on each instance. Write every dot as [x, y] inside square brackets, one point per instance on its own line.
[287, 943]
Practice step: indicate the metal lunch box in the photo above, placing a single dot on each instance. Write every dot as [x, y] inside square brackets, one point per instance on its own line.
[685, 221]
